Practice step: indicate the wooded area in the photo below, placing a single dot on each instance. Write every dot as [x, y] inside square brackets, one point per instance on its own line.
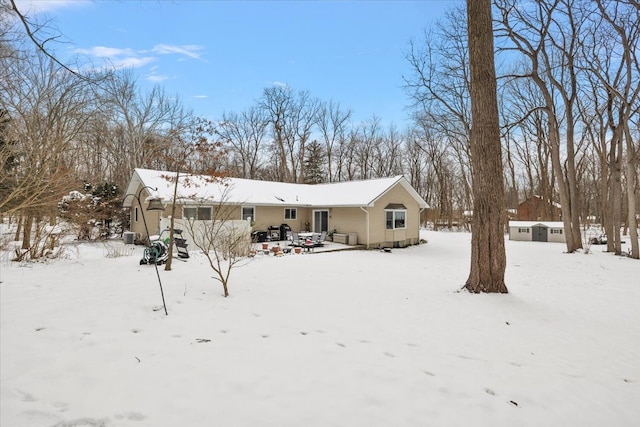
[568, 95]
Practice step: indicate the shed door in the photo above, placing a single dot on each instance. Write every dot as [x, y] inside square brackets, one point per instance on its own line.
[539, 234]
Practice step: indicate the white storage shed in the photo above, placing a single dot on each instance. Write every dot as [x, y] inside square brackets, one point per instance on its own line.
[537, 231]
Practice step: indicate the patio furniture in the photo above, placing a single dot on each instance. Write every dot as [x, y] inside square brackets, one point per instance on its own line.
[295, 239]
[341, 238]
[305, 235]
[321, 238]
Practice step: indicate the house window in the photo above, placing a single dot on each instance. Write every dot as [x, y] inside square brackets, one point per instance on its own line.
[135, 214]
[396, 219]
[248, 212]
[556, 231]
[523, 230]
[290, 213]
[204, 214]
[199, 213]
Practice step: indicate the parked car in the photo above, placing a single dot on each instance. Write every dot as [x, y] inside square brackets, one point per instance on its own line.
[599, 240]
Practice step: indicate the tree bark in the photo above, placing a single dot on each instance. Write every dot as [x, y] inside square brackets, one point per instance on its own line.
[168, 264]
[631, 195]
[488, 258]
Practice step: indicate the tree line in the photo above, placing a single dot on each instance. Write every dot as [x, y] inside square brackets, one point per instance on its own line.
[568, 88]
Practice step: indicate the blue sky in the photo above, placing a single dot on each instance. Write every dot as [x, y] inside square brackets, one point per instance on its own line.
[219, 55]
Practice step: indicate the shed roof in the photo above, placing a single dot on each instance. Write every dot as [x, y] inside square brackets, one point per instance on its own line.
[551, 224]
[202, 189]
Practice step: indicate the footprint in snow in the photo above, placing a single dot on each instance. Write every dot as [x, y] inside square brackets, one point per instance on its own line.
[131, 416]
[61, 406]
[27, 397]
[82, 422]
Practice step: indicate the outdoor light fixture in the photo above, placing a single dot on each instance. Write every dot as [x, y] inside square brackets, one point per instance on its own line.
[155, 204]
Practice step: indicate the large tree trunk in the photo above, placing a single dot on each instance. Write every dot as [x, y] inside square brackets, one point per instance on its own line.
[615, 195]
[488, 259]
[26, 231]
[631, 195]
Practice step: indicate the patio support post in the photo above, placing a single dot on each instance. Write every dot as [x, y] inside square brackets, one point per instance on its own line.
[366, 212]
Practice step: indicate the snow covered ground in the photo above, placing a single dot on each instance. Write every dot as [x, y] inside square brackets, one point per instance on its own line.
[360, 338]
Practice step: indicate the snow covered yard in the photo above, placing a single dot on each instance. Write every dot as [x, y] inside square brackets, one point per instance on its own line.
[361, 338]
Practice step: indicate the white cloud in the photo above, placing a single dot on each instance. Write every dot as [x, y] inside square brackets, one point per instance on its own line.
[107, 52]
[133, 62]
[191, 51]
[201, 96]
[127, 57]
[30, 7]
[157, 78]
[118, 57]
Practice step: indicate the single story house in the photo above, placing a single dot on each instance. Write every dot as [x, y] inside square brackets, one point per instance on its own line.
[536, 208]
[381, 212]
[537, 231]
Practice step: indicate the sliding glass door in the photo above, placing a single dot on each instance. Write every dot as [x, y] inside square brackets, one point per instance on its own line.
[320, 221]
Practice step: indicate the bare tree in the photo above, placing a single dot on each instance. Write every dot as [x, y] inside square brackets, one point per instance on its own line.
[369, 137]
[333, 121]
[622, 85]
[194, 153]
[139, 124]
[415, 162]
[443, 171]
[39, 34]
[292, 118]
[46, 110]
[387, 159]
[245, 135]
[528, 141]
[225, 243]
[488, 259]
[439, 87]
[547, 34]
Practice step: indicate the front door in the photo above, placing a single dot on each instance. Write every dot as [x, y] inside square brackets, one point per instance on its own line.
[320, 221]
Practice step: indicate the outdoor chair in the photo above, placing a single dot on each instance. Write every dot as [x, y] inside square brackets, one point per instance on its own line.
[295, 239]
[319, 239]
